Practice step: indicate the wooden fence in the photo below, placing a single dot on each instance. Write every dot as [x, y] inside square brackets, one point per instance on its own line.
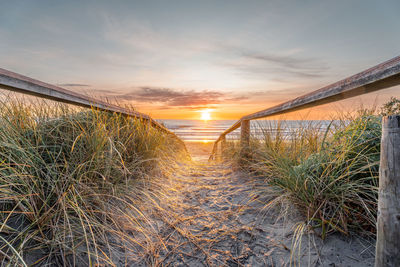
[384, 75]
[18, 83]
[376, 78]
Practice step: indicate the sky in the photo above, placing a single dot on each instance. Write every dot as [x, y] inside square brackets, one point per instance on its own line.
[174, 59]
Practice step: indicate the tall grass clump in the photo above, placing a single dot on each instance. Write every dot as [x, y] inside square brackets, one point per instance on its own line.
[70, 181]
[330, 173]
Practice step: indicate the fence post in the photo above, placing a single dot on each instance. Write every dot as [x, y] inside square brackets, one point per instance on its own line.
[244, 137]
[388, 221]
[223, 143]
[223, 146]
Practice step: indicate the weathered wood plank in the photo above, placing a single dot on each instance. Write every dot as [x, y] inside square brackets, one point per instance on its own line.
[376, 78]
[384, 75]
[222, 147]
[223, 144]
[388, 221]
[244, 136]
[22, 84]
[231, 129]
[18, 83]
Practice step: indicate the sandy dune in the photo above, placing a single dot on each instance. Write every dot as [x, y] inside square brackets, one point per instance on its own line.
[212, 216]
[200, 151]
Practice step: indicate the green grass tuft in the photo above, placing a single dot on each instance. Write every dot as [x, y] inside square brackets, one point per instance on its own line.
[70, 181]
[331, 176]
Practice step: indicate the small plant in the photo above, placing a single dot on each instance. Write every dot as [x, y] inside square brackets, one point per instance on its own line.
[71, 182]
[331, 175]
[391, 108]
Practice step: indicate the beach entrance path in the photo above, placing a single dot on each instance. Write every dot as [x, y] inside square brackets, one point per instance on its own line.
[213, 216]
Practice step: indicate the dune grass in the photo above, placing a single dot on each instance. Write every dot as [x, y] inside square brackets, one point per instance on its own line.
[71, 183]
[331, 175]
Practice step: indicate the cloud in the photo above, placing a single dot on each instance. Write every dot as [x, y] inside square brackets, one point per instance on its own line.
[291, 62]
[73, 85]
[279, 66]
[173, 97]
[238, 98]
[170, 97]
[289, 65]
[151, 94]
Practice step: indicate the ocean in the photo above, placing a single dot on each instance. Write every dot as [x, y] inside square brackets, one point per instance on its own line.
[209, 131]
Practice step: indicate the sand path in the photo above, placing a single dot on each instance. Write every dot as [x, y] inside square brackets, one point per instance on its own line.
[212, 216]
[210, 227]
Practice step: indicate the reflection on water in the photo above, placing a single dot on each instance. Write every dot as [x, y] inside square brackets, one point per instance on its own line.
[198, 130]
[209, 131]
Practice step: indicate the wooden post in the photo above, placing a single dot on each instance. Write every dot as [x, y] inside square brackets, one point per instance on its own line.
[222, 147]
[388, 221]
[223, 143]
[244, 136]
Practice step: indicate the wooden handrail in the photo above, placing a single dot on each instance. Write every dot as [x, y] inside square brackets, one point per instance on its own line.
[388, 215]
[376, 78]
[18, 83]
[384, 75]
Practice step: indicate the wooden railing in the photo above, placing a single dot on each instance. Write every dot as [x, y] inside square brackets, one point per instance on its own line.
[379, 77]
[376, 78]
[18, 83]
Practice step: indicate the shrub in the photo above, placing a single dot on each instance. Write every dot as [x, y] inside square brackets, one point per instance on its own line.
[68, 176]
[337, 186]
[391, 107]
[332, 176]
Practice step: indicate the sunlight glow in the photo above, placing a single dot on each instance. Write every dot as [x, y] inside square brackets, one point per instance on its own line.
[205, 115]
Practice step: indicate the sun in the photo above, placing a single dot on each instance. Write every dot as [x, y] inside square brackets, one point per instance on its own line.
[205, 115]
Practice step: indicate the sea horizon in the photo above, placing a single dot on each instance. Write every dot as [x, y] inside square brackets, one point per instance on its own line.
[210, 130]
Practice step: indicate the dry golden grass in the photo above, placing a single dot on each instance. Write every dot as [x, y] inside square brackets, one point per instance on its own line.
[72, 182]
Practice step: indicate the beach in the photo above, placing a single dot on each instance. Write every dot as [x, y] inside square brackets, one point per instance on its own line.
[211, 215]
[199, 151]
